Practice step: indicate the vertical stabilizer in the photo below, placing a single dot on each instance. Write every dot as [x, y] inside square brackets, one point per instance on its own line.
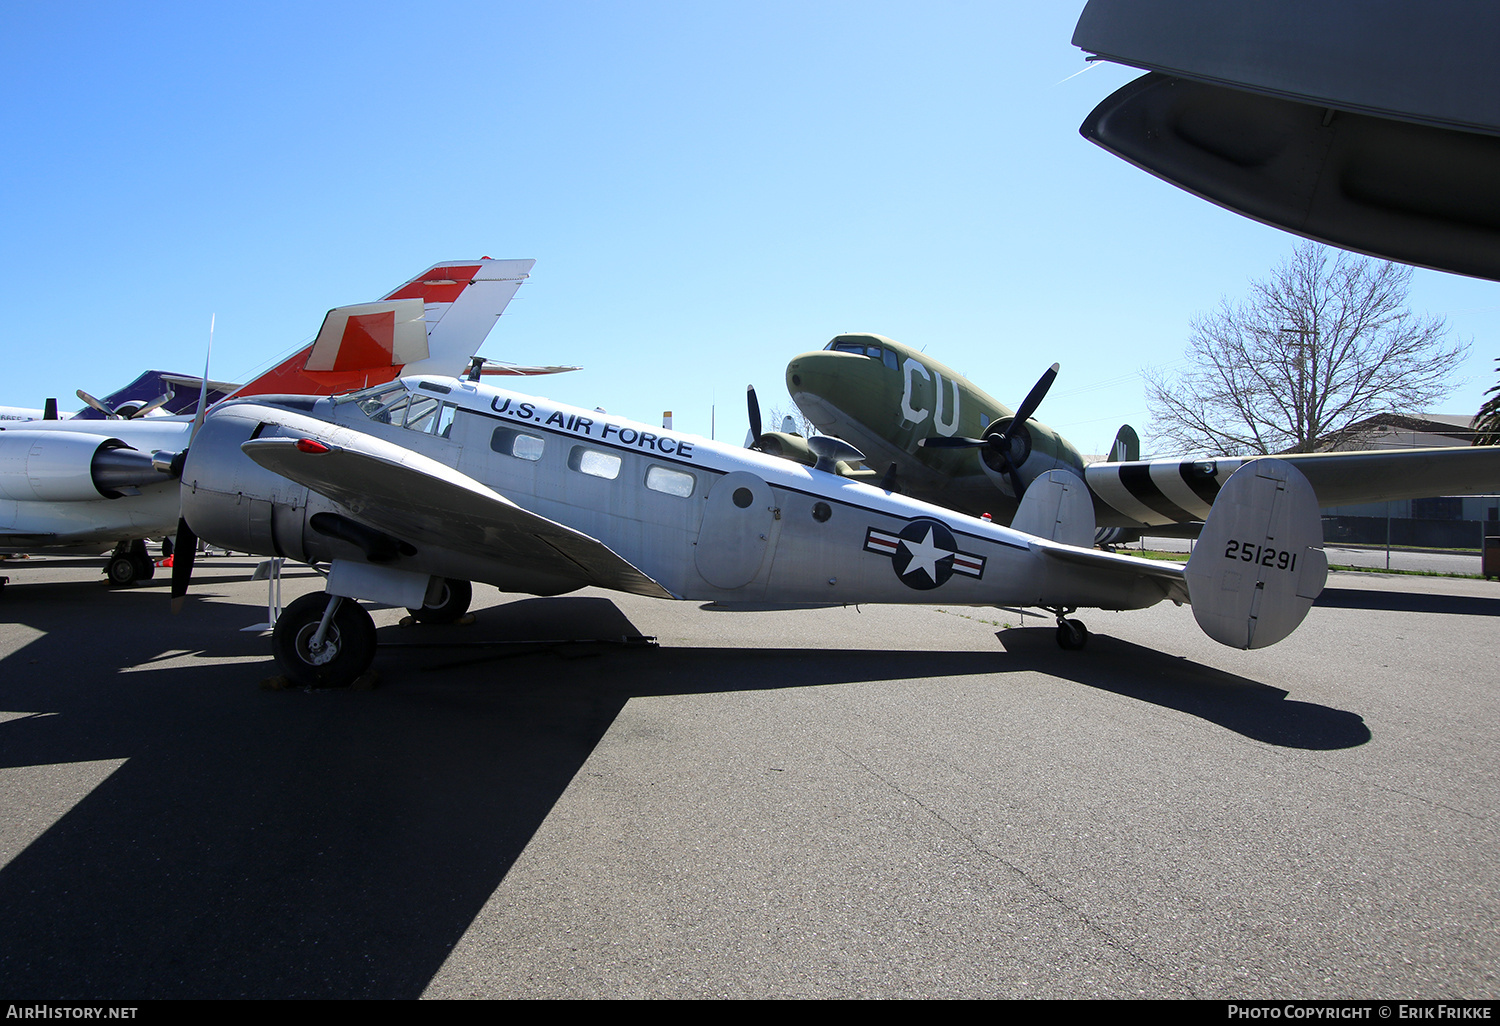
[1259, 562]
[1057, 506]
[1127, 447]
[432, 324]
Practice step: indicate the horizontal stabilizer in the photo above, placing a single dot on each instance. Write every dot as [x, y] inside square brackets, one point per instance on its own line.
[1259, 562]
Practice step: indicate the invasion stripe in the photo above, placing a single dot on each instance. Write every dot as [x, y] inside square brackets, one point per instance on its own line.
[1137, 480]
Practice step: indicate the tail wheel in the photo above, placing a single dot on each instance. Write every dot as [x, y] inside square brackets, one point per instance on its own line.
[346, 651]
[453, 602]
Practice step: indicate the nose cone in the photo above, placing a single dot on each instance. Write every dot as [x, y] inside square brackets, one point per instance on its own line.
[825, 384]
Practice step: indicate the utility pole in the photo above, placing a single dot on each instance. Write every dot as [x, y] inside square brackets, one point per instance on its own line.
[1303, 404]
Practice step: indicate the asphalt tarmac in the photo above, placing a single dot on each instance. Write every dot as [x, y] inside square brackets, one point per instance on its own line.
[876, 802]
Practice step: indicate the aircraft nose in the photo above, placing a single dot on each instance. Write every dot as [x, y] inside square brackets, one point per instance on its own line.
[822, 383]
[812, 373]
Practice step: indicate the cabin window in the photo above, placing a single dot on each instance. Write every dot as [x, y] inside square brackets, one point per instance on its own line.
[595, 463]
[672, 482]
[514, 443]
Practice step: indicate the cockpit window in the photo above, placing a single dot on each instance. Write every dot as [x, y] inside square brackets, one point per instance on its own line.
[857, 348]
[419, 412]
[372, 400]
[391, 414]
[874, 352]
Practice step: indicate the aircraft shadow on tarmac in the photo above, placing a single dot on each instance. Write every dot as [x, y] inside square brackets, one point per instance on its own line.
[1236, 703]
[1408, 602]
[340, 843]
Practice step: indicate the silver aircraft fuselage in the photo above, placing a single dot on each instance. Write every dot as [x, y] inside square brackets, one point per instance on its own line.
[702, 520]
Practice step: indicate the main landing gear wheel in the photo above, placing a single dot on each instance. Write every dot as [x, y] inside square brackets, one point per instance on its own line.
[453, 602]
[1071, 634]
[347, 648]
[128, 564]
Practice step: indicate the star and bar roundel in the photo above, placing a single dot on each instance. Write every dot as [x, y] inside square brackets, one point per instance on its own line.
[924, 554]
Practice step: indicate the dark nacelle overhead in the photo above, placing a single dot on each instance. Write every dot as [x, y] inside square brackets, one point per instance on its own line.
[1370, 126]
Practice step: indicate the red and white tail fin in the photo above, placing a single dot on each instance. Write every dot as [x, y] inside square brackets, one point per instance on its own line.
[432, 324]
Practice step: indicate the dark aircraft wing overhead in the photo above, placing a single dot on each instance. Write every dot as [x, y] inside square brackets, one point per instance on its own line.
[1373, 126]
[427, 503]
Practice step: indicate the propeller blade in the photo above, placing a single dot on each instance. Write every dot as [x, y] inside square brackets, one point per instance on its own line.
[1016, 484]
[96, 404]
[154, 404]
[184, 550]
[955, 442]
[1036, 395]
[49, 410]
[753, 405]
[203, 389]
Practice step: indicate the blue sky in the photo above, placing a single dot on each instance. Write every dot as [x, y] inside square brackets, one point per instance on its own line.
[708, 188]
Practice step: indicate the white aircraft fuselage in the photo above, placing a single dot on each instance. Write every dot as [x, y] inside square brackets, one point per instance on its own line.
[61, 483]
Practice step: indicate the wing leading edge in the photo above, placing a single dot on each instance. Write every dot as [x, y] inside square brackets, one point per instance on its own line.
[424, 502]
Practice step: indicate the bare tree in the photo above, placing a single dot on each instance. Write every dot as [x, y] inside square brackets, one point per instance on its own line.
[1487, 420]
[1320, 344]
[778, 415]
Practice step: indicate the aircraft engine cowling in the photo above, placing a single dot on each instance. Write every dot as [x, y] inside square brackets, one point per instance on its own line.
[1034, 450]
[71, 466]
[787, 446]
[230, 500]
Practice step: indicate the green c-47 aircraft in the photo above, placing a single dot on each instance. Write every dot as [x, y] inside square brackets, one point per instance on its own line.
[941, 439]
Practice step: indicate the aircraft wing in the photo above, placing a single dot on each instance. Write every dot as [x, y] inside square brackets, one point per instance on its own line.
[424, 502]
[1149, 493]
[1131, 571]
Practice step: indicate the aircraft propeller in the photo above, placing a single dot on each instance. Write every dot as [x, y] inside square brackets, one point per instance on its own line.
[96, 404]
[753, 408]
[1005, 448]
[126, 411]
[185, 545]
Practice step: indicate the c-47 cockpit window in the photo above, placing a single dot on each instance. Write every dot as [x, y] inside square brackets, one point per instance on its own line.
[874, 352]
[857, 348]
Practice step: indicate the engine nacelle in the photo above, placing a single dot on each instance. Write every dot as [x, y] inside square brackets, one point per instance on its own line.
[1034, 450]
[228, 497]
[70, 466]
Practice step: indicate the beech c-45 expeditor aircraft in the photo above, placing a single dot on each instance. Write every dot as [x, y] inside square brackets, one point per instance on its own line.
[410, 491]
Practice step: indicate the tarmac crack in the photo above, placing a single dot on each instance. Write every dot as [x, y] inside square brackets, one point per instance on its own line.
[1089, 923]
